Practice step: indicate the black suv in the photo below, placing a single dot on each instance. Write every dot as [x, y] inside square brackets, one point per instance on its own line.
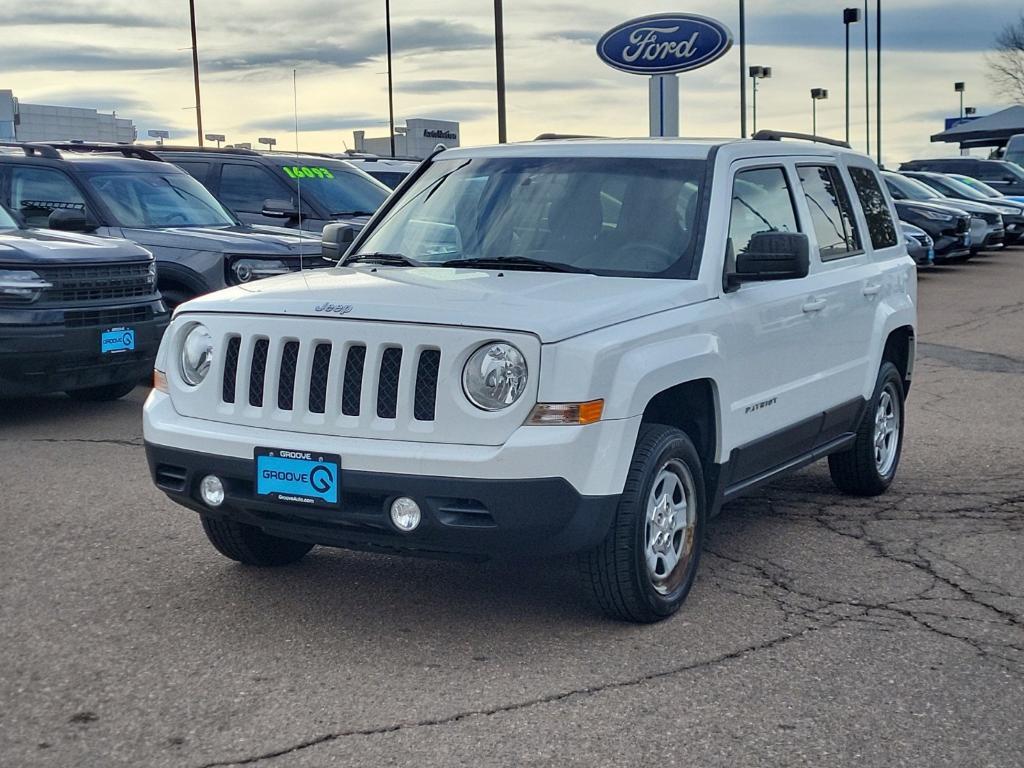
[1012, 211]
[1008, 178]
[118, 190]
[78, 314]
[266, 187]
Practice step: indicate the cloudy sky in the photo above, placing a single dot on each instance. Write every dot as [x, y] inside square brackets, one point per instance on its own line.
[134, 58]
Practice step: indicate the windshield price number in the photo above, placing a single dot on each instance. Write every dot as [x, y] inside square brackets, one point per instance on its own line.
[306, 172]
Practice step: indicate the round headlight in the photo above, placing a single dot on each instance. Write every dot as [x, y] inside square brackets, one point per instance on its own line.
[494, 376]
[196, 355]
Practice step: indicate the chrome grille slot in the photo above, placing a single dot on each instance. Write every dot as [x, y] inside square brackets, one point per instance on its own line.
[387, 384]
[286, 382]
[350, 393]
[426, 385]
[258, 371]
[318, 378]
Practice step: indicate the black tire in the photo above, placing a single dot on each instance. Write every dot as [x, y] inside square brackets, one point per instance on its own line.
[856, 471]
[250, 545]
[103, 393]
[616, 571]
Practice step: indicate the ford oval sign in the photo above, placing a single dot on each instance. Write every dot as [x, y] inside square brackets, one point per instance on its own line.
[664, 44]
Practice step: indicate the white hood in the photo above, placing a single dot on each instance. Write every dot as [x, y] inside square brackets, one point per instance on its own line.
[551, 305]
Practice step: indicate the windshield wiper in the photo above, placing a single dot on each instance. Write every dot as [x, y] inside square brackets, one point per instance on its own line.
[511, 262]
[390, 259]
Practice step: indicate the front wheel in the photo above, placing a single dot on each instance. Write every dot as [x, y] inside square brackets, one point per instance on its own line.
[868, 468]
[646, 565]
[251, 546]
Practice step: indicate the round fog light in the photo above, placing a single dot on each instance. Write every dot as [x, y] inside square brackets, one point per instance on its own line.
[405, 513]
[211, 489]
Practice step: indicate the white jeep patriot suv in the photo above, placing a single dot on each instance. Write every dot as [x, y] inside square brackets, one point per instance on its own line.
[562, 346]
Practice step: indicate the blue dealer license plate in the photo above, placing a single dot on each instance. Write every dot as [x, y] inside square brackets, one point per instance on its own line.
[117, 340]
[298, 477]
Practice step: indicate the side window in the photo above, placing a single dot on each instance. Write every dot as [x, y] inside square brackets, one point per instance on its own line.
[37, 192]
[761, 202]
[881, 228]
[245, 187]
[831, 213]
[195, 169]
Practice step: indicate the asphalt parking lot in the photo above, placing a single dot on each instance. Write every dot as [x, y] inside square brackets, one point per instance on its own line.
[823, 630]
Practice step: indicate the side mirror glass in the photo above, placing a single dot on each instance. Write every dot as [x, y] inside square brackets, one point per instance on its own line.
[68, 220]
[771, 256]
[336, 239]
[280, 209]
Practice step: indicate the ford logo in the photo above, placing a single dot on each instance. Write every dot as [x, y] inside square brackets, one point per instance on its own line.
[664, 44]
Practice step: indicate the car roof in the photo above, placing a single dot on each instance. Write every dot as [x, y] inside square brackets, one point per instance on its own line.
[91, 161]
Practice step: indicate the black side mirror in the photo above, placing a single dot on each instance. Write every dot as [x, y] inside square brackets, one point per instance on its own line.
[771, 256]
[336, 239]
[280, 209]
[68, 220]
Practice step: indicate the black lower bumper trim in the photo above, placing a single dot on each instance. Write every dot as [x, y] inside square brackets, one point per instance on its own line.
[468, 517]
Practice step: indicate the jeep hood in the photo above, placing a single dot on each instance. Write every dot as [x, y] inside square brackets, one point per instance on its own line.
[264, 241]
[552, 305]
[46, 247]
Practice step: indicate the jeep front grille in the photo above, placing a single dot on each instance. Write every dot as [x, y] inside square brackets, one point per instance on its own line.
[293, 371]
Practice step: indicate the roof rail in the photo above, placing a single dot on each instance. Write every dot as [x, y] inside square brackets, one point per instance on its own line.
[188, 148]
[779, 135]
[556, 136]
[32, 149]
[128, 150]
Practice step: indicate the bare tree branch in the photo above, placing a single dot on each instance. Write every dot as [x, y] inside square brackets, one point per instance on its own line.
[1006, 62]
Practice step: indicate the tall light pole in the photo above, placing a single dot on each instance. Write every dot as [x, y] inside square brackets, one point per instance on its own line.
[391, 90]
[757, 73]
[195, 71]
[850, 16]
[499, 56]
[743, 70]
[878, 79]
[817, 94]
[960, 88]
[867, 83]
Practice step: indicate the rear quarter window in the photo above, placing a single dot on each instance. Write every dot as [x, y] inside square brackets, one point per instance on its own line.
[881, 227]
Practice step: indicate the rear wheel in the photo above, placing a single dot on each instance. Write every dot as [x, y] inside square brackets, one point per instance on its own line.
[103, 393]
[251, 546]
[868, 468]
[646, 565]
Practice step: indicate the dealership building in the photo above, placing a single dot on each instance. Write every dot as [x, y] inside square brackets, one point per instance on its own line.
[418, 138]
[41, 122]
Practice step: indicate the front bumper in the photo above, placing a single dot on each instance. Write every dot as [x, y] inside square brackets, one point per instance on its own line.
[461, 516]
[41, 358]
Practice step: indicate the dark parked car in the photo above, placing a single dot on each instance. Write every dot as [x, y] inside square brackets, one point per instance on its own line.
[1008, 178]
[950, 187]
[986, 225]
[270, 187]
[919, 243]
[389, 171]
[950, 230]
[124, 191]
[78, 314]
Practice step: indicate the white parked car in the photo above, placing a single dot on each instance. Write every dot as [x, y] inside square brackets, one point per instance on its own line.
[570, 346]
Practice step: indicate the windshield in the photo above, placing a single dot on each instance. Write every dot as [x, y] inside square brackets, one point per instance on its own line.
[906, 188]
[953, 188]
[610, 216]
[149, 200]
[339, 188]
[6, 220]
[980, 186]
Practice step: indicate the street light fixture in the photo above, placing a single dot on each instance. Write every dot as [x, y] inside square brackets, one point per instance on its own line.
[969, 111]
[218, 137]
[757, 73]
[269, 141]
[960, 87]
[850, 16]
[817, 94]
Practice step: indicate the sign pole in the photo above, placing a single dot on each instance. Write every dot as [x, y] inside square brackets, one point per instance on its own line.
[664, 105]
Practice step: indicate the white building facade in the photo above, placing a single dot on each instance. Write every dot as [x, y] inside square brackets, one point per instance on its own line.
[418, 139]
[40, 122]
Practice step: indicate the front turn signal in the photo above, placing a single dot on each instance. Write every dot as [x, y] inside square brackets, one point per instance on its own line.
[561, 414]
[160, 381]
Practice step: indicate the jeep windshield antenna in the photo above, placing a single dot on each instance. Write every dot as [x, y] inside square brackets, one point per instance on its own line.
[298, 179]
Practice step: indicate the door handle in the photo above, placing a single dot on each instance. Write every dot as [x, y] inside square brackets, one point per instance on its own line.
[814, 305]
[872, 290]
